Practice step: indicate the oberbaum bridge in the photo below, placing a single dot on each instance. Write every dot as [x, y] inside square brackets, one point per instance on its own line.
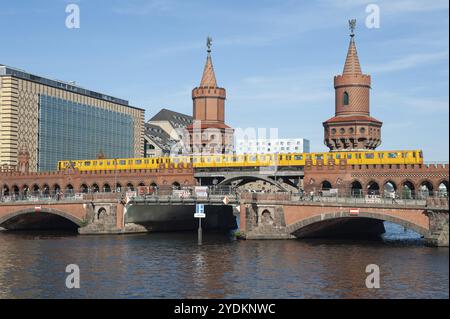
[302, 207]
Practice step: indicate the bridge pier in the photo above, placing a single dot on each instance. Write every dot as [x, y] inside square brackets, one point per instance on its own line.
[104, 217]
[438, 234]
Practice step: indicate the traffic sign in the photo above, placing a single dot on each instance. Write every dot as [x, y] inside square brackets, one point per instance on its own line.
[200, 215]
[354, 211]
[200, 208]
[226, 200]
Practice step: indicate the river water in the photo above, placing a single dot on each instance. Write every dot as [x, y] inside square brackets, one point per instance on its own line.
[172, 265]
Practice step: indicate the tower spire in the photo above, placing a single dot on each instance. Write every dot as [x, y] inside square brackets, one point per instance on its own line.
[208, 77]
[352, 66]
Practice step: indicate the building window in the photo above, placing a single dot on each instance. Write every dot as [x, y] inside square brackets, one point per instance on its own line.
[342, 131]
[362, 130]
[346, 99]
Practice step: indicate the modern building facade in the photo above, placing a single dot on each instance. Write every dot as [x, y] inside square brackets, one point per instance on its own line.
[55, 120]
[352, 127]
[272, 146]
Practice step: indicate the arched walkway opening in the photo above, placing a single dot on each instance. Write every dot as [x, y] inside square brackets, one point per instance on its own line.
[95, 188]
[408, 190]
[325, 185]
[16, 191]
[69, 191]
[389, 189]
[373, 188]
[45, 190]
[56, 188]
[356, 189]
[35, 189]
[84, 189]
[176, 185]
[443, 189]
[5, 190]
[106, 188]
[25, 190]
[426, 189]
[49, 219]
[130, 187]
[118, 187]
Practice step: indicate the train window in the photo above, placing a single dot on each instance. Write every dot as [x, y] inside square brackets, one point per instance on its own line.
[380, 155]
[157, 161]
[138, 162]
[95, 162]
[338, 156]
[130, 162]
[208, 160]
[87, 163]
[280, 157]
[403, 155]
[114, 162]
[420, 154]
[108, 163]
[319, 156]
[349, 156]
[369, 155]
[122, 162]
[298, 157]
[414, 154]
[218, 159]
[392, 155]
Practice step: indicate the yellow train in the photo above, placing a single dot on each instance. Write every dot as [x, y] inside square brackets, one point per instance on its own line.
[249, 160]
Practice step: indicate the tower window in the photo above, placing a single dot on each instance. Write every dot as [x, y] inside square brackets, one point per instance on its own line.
[346, 99]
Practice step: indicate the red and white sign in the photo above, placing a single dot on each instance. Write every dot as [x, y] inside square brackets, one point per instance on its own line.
[226, 200]
[37, 209]
[354, 211]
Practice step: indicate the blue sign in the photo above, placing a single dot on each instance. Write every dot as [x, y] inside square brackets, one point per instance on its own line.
[200, 208]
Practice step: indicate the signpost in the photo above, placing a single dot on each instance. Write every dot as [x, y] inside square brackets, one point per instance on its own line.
[200, 213]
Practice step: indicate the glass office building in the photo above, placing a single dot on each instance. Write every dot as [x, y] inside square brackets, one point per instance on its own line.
[55, 120]
[69, 130]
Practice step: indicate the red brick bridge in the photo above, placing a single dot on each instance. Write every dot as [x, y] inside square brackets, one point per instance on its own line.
[278, 216]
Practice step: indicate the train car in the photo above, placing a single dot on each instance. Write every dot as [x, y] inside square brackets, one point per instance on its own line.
[248, 160]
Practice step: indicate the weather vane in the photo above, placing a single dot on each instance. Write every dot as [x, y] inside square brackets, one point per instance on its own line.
[352, 26]
[209, 43]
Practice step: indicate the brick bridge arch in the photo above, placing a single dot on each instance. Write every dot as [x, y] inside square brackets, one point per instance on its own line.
[417, 221]
[77, 221]
[252, 178]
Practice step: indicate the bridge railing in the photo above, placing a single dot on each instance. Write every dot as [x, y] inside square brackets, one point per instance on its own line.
[374, 199]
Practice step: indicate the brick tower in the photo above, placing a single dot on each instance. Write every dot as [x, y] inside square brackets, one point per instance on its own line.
[209, 133]
[352, 127]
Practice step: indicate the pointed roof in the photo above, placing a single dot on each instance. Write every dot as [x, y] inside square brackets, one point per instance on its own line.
[208, 78]
[352, 66]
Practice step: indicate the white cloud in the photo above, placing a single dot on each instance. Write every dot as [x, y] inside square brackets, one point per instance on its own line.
[408, 62]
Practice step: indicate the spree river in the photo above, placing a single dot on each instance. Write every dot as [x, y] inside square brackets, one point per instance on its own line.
[172, 265]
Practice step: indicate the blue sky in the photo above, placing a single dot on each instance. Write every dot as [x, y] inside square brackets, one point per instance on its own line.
[276, 59]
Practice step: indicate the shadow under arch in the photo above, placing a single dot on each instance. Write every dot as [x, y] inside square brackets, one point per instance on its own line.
[295, 228]
[47, 218]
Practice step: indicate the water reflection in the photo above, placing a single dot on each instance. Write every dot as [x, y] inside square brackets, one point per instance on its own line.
[173, 265]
